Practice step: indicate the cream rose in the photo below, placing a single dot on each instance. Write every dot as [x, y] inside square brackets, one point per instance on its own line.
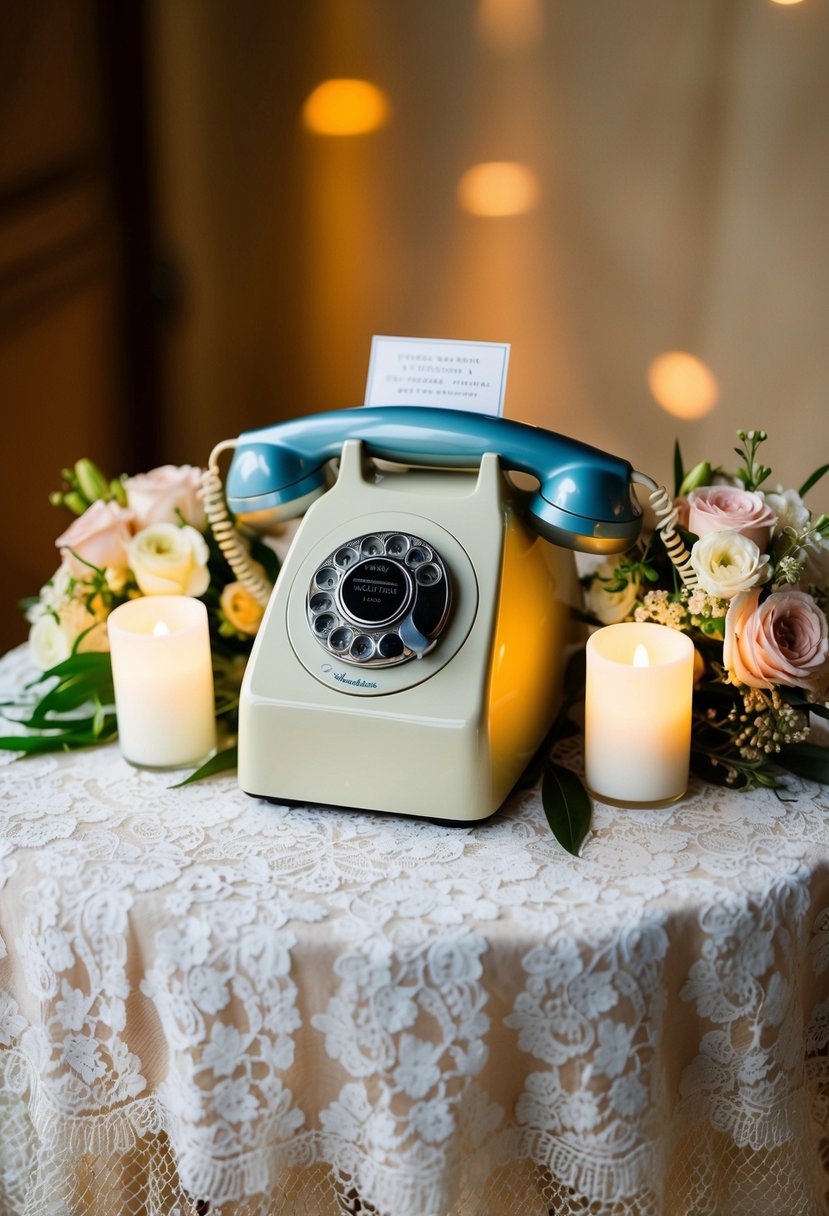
[782, 640]
[790, 510]
[158, 496]
[728, 562]
[610, 607]
[167, 560]
[52, 638]
[48, 644]
[97, 538]
[242, 611]
[816, 567]
[720, 508]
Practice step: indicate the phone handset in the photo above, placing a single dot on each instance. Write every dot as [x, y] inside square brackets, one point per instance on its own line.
[585, 499]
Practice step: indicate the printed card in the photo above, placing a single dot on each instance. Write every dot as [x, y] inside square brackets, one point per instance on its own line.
[438, 372]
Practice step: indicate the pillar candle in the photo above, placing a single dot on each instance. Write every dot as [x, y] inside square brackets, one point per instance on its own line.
[637, 727]
[163, 678]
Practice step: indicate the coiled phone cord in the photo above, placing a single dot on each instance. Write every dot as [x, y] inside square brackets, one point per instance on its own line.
[227, 537]
[666, 517]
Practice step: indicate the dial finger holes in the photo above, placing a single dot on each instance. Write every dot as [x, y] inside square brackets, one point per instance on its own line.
[327, 578]
[372, 546]
[340, 639]
[427, 575]
[320, 602]
[362, 647]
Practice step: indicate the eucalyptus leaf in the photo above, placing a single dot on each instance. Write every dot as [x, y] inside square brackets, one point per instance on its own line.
[223, 762]
[566, 805]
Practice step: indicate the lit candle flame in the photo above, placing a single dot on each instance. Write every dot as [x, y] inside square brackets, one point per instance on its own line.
[640, 657]
[160, 630]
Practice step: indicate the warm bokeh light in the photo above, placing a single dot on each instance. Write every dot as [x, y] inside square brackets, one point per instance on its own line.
[682, 384]
[787, 1]
[346, 107]
[498, 188]
[509, 25]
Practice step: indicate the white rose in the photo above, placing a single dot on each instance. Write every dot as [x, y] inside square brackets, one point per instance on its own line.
[727, 562]
[167, 560]
[48, 644]
[816, 568]
[610, 607]
[58, 623]
[157, 497]
[790, 509]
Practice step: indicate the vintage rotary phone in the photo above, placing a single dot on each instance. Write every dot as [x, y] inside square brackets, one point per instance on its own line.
[409, 657]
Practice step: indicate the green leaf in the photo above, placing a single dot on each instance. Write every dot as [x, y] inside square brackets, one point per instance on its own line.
[94, 665]
[808, 760]
[223, 762]
[61, 741]
[813, 480]
[679, 474]
[567, 807]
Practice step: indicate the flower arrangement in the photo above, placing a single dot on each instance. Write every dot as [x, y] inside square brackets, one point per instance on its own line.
[130, 537]
[749, 584]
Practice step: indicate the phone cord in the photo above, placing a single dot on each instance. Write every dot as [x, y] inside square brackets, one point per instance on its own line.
[227, 537]
[666, 517]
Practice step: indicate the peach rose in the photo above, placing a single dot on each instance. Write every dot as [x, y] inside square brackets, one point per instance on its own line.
[782, 640]
[157, 497]
[97, 538]
[715, 508]
[243, 612]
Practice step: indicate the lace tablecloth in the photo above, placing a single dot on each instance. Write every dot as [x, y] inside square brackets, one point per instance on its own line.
[209, 1003]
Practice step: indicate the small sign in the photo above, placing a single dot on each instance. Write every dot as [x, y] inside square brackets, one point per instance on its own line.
[438, 372]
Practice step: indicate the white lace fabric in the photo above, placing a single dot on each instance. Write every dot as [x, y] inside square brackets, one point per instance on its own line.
[214, 1004]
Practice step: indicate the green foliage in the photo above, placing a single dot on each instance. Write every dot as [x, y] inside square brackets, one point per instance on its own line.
[566, 805]
[224, 761]
[752, 474]
[74, 708]
[813, 480]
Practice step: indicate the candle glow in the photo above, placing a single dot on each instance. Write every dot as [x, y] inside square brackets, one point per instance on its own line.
[638, 713]
[163, 679]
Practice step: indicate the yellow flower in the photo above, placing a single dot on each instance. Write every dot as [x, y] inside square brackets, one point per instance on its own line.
[241, 609]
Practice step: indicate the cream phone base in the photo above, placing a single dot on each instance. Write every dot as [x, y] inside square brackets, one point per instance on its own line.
[409, 659]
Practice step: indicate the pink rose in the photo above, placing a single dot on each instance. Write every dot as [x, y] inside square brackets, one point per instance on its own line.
[97, 538]
[157, 497]
[715, 508]
[781, 641]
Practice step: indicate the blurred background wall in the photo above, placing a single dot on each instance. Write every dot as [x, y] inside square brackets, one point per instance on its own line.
[635, 196]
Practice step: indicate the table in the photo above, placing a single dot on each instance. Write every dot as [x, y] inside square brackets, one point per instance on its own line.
[211, 1003]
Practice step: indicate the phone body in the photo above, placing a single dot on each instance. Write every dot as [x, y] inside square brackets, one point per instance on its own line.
[410, 656]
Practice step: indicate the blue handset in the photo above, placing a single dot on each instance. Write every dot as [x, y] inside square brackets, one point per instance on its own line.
[584, 501]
